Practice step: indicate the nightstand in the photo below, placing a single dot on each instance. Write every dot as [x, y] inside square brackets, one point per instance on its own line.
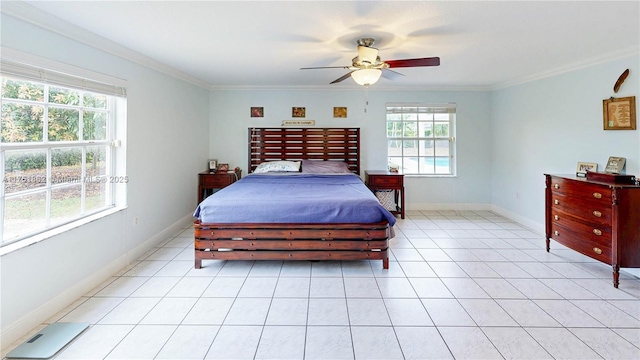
[384, 180]
[210, 182]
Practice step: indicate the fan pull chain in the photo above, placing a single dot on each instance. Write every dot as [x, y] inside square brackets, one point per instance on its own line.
[366, 97]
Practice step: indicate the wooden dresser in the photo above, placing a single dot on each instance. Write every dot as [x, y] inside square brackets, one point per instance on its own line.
[598, 218]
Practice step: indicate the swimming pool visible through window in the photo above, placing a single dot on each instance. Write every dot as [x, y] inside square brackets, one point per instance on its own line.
[420, 139]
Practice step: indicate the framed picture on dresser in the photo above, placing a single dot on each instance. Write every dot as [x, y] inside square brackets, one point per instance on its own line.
[615, 165]
[213, 164]
[583, 167]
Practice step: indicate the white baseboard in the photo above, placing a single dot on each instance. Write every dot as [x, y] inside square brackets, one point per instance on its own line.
[532, 225]
[24, 325]
[448, 206]
[170, 231]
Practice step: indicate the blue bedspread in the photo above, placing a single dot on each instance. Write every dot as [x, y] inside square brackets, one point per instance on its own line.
[296, 198]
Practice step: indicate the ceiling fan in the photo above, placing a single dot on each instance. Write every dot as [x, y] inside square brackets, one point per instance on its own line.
[366, 68]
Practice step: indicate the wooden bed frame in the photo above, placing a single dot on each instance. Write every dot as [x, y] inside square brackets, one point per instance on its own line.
[294, 241]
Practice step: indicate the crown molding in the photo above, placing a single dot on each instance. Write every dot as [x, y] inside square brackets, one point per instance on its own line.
[27, 13]
[620, 54]
[372, 88]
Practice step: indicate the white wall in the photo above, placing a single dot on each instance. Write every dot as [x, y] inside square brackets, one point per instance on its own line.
[167, 147]
[230, 119]
[549, 125]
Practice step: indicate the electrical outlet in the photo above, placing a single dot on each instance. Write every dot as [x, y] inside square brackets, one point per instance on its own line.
[136, 220]
[517, 195]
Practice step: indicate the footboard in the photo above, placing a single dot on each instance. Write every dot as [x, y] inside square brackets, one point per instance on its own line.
[292, 242]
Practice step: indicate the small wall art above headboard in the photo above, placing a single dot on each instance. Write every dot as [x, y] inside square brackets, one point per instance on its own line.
[294, 144]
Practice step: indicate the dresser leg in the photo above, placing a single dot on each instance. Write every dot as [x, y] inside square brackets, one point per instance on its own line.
[616, 275]
[548, 243]
[198, 263]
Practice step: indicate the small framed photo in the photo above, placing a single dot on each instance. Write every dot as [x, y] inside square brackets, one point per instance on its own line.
[298, 112]
[339, 112]
[583, 167]
[615, 165]
[213, 164]
[223, 167]
[620, 113]
[257, 112]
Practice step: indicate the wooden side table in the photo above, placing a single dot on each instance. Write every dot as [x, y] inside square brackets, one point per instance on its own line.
[209, 182]
[385, 180]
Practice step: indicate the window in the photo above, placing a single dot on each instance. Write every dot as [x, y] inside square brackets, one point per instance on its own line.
[58, 151]
[420, 139]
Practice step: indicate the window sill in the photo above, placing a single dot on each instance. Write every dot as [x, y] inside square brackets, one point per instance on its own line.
[430, 176]
[57, 231]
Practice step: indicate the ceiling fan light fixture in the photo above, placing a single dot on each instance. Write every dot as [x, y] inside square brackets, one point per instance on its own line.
[366, 77]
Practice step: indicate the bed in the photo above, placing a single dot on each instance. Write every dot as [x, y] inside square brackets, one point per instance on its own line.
[322, 211]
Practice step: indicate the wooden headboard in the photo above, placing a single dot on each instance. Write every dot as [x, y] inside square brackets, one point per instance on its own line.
[335, 144]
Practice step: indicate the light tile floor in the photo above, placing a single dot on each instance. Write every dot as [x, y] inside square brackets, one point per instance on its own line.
[461, 284]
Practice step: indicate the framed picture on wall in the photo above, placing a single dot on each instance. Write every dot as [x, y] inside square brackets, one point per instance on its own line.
[298, 112]
[619, 113]
[257, 112]
[339, 112]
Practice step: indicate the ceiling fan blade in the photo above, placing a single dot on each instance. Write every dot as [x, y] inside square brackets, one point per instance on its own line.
[343, 77]
[367, 54]
[390, 74]
[325, 67]
[431, 61]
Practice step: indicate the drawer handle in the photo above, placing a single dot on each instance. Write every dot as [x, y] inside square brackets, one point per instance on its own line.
[556, 233]
[597, 232]
[556, 201]
[597, 195]
[597, 213]
[557, 186]
[597, 250]
[556, 217]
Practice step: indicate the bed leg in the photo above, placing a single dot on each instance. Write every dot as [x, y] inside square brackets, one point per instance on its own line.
[198, 263]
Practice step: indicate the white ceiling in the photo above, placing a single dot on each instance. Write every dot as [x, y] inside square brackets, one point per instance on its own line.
[265, 43]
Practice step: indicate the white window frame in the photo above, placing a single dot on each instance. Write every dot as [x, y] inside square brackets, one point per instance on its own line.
[21, 66]
[428, 109]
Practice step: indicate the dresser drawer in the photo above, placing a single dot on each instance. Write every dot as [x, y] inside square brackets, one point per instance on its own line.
[216, 180]
[590, 211]
[596, 232]
[580, 191]
[384, 181]
[596, 249]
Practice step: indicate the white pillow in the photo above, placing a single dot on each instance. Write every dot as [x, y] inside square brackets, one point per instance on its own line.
[278, 166]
